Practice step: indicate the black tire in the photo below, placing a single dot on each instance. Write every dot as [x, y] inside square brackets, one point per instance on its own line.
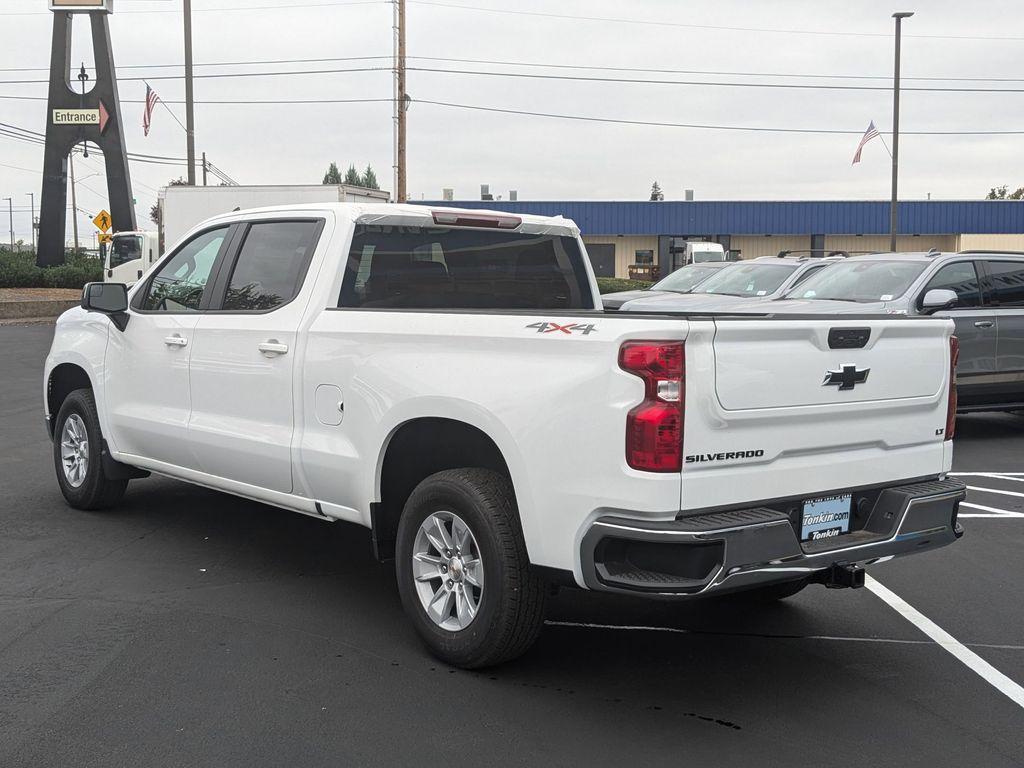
[96, 491]
[771, 593]
[511, 608]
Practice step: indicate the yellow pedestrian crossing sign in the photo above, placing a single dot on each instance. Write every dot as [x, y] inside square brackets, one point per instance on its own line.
[102, 221]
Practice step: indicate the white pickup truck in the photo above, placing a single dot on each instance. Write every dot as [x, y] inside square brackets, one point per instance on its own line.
[448, 379]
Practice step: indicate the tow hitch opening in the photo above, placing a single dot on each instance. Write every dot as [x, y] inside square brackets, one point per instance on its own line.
[841, 577]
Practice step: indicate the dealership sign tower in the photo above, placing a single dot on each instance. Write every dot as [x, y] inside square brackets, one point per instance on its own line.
[76, 116]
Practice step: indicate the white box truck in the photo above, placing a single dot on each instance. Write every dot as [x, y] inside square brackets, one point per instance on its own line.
[183, 207]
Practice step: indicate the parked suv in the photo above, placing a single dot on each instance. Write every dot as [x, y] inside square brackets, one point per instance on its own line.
[983, 291]
[761, 279]
[683, 280]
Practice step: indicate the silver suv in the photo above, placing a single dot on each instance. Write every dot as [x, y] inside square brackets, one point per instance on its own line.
[983, 291]
[760, 279]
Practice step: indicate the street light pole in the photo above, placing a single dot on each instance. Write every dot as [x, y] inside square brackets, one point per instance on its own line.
[190, 109]
[899, 16]
[74, 200]
[32, 221]
[10, 209]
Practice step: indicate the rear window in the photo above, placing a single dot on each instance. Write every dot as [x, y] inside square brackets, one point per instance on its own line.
[439, 268]
[747, 280]
[863, 281]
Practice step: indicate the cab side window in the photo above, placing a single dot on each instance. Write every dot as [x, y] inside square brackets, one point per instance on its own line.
[271, 265]
[1007, 280]
[961, 278]
[181, 282]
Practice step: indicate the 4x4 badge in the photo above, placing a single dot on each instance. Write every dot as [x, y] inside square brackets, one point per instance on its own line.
[847, 377]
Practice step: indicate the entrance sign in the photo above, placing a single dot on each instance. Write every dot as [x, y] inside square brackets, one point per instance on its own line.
[79, 117]
[76, 117]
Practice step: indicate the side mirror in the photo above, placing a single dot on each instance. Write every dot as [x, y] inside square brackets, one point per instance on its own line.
[938, 299]
[110, 299]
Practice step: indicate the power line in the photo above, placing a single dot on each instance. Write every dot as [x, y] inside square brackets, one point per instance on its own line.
[715, 83]
[569, 78]
[220, 75]
[224, 101]
[750, 128]
[554, 65]
[713, 27]
[289, 7]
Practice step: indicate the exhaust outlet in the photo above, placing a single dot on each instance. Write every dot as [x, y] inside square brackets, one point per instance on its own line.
[843, 576]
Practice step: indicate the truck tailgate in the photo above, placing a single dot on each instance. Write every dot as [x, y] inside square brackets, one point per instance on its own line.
[779, 408]
[790, 363]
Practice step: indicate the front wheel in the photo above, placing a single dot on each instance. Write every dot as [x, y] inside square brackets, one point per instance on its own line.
[78, 455]
[463, 573]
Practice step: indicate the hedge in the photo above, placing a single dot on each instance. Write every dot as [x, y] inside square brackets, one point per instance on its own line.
[19, 270]
[613, 284]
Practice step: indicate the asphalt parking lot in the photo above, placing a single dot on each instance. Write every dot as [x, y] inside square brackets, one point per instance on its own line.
[192, 628]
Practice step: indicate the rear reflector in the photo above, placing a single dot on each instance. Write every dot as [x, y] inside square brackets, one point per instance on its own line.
[654, 428]
[484, 221]
[954, 356]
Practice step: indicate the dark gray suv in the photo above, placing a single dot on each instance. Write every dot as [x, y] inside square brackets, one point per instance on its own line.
[983, 291]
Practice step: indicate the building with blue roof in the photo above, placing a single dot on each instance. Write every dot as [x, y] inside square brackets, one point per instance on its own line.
[619, 234]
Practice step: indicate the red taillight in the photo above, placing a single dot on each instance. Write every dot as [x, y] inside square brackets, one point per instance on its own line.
[654, 429]
[954, 355]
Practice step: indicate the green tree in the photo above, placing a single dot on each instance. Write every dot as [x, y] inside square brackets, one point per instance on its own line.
[352, 177]
[154, 212]
[370, 178]
[656, 194]
[1003, 193]
[333, 175]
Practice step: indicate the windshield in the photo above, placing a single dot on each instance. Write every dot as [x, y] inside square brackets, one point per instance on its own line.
[862, 281]
[685, 278]
[747, 280]
[124, 249]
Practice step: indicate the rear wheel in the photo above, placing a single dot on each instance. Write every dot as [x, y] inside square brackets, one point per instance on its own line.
[77, 455]
[462, 569]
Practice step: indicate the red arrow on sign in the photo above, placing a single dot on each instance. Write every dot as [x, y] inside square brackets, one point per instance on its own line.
[104, 118]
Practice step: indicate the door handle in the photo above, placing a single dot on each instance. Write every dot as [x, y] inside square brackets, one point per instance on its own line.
[983, 324]
[273, 347]
[175, 341]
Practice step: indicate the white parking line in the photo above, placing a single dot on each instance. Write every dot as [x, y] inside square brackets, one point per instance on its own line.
[985, 474]
[947, 642]
[992, 510]
[979, 489]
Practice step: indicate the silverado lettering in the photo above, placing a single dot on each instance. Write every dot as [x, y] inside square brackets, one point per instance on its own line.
[728, 456]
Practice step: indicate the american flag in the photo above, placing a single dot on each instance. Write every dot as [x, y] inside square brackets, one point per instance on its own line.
[152, 99]
[869, 134]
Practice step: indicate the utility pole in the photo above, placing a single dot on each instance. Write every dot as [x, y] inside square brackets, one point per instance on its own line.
[204, 169]
[10, 208]
[899, 16]
[74, 199]
[190, 107]
[400, 99]
[32, 197]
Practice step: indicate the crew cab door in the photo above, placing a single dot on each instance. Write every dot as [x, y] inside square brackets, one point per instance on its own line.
[147, 366]
[244, 357]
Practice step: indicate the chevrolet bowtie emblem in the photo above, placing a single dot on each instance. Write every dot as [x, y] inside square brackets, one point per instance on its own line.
[847, 377]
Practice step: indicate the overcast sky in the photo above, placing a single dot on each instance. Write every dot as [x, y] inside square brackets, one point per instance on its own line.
[547, 158]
